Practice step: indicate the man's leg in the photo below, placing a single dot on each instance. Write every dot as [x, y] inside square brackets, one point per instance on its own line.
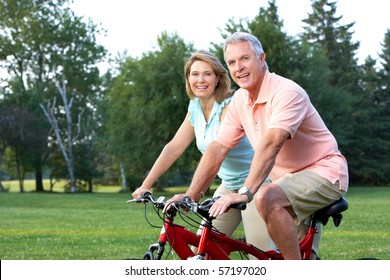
[277, 212]
[307, 191]
[256, 232]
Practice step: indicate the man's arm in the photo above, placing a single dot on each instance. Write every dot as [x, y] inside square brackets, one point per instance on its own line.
[262, 163]
[264, 157]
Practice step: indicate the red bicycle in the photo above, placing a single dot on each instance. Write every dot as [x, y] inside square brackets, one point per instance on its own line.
[214, 244]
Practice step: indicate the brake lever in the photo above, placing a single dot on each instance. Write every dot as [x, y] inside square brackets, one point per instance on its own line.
[145, 198]
[138, 200]
[188, 205]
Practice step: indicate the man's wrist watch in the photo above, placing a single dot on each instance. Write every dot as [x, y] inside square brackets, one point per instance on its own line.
[245, 191]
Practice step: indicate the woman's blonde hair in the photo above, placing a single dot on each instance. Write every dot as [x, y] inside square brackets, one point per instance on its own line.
[222, 90]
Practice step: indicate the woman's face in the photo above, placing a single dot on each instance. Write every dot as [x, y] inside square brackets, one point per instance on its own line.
[202, 80]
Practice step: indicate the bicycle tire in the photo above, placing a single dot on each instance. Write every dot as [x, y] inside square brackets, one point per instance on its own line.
[148, 256]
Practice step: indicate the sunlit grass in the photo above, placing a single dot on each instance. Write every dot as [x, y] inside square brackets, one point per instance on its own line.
[365, 229]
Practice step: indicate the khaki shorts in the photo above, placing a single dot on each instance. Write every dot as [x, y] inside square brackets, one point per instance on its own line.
[308, 192]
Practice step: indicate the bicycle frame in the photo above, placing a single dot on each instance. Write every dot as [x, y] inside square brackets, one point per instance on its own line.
[218, 246]
[215, 245]
[178, 237]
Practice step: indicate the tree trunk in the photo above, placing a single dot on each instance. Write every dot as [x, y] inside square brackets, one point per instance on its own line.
[38, 181]
[2, 189]
[90, 185]
[123, 175]
[20, 174]
[51, 182]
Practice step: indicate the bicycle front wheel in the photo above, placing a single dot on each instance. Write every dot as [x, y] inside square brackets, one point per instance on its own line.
[148, 256]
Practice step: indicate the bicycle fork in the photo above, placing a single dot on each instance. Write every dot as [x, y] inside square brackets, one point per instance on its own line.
[149, 255]
[159, 247]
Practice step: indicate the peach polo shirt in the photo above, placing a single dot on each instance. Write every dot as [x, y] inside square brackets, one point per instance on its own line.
[285, 105]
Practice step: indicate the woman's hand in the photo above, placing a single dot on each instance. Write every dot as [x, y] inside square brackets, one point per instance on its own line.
[138, 192]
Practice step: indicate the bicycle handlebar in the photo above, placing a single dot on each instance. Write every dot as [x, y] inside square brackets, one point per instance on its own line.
[186, 203]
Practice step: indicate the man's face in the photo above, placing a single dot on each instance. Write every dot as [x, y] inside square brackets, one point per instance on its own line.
[244, 66]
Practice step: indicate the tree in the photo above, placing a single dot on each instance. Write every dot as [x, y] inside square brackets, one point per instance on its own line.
[382, 99]
[65, 145]
[323, 27]
[39, 42]
[381, 118]
[19, 140]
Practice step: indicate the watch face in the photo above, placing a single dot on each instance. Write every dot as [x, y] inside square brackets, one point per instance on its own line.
[243, 190]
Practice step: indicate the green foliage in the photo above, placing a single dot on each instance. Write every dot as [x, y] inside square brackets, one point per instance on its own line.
[323, 27]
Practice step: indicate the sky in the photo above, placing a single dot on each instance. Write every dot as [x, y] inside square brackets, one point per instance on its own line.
[134, 26]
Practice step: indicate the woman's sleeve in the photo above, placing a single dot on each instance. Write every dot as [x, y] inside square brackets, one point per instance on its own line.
[191, 110]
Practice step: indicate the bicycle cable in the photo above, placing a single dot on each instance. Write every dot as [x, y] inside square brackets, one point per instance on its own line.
[171, 243]
[147, 219]
[190, 220]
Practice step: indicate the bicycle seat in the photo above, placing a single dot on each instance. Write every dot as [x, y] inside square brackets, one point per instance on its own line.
[333, 210]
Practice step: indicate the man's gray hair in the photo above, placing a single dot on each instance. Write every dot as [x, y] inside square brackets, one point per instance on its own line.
[254, 43]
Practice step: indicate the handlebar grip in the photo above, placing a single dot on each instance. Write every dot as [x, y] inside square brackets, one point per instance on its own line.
[239, 206]
[206, 205]
[146, 194]
[145, 197]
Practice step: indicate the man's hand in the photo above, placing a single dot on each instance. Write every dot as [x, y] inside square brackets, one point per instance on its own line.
[223, 203]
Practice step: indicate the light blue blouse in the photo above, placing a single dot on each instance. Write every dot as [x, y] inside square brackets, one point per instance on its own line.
[235, 167]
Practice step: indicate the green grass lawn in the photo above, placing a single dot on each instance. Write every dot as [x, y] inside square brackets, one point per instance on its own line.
[102, 226]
